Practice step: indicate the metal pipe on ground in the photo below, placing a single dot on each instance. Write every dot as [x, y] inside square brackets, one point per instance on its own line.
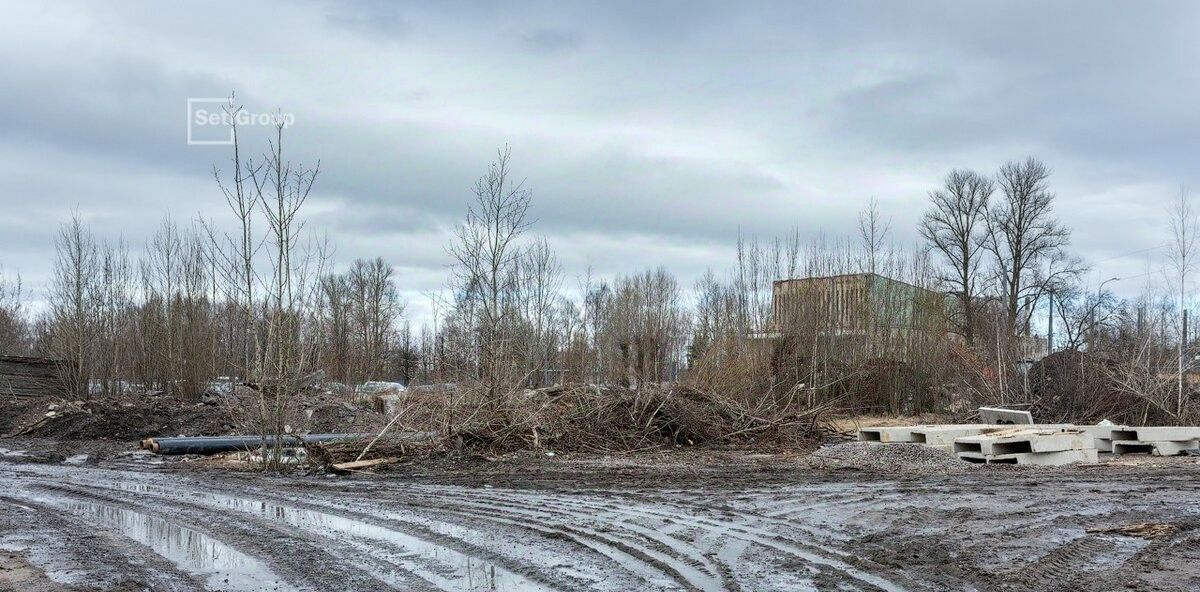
[218, 444]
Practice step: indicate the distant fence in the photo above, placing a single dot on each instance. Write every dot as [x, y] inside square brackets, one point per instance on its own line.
[33, 377]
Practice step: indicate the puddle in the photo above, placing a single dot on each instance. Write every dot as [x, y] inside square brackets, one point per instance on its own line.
[76, 459]
[451, 570]
[7, 452]
[224, 568]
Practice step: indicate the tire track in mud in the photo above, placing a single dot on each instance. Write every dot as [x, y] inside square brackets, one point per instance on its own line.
[645, 554]
[651, 560]
[577, 508]
[650, 555]
[294, 558]
[651, 541]
[1064, 565]
[640, 563]
[399, 560]
[64, 547]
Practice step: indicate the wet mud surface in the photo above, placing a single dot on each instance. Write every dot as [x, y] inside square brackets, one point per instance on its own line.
[132, 525]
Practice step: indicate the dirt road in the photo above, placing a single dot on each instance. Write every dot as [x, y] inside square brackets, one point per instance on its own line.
[132, 527]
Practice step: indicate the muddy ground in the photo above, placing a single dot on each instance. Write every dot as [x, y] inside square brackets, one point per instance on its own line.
[720, 521]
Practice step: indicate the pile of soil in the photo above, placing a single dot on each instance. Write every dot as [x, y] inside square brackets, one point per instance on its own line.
[136, 417]
[127, 419]
[328, 413]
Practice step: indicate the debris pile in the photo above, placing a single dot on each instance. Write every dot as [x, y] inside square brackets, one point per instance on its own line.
[592, 418]
[1038, 444]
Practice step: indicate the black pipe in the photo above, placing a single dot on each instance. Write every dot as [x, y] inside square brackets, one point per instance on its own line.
[217, 444]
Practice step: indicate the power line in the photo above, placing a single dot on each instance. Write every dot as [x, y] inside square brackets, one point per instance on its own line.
[1122, 255]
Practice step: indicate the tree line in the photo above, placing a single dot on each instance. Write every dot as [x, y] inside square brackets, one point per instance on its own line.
[260, 305]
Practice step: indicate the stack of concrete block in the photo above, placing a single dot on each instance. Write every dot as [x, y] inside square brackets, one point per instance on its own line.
[934, 436]
[1158, 441]
[1028, 446]
[1102, 435]
[942, 436]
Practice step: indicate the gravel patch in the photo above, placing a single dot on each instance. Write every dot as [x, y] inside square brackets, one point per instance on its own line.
[887, 458]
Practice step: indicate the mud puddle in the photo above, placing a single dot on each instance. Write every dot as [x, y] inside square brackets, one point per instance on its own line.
[223, 568]
[444, 567]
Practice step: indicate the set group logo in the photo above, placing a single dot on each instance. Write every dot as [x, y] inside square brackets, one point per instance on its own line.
[211, 121]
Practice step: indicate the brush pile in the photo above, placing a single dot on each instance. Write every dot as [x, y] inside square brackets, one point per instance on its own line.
[575, 418]
[604, 419]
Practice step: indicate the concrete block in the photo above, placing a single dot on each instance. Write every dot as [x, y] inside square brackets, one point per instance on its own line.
[1165, 448]
[1018, 440]
[1156, 433]
[886, 434]
[1062, 457]
[945, 435]
[996, 416]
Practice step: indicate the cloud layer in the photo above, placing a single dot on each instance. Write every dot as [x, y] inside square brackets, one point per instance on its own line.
[650, 134]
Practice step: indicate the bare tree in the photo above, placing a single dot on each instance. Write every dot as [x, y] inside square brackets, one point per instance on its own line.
[73, 294]
[1023, 235]
[375, 308]
[956, 228]
[1184, 230]
[873, 232]
[486, 252]
[290, 292]
[541, 281]
[233, 255]
[14, 327]
[1082, 313]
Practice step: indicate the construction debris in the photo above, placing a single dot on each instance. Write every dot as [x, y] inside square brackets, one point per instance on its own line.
[1024, 446]
[1048, 444]
[358, 465]
[1157, 441]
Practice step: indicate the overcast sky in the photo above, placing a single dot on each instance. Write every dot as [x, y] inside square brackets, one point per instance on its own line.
[650, 132]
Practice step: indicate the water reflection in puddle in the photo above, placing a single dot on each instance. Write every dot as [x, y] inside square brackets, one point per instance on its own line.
[451, 570]
[444, 567]
[223, 567]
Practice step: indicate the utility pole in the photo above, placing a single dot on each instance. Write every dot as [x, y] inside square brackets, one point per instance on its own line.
[1182, 353]
[1050, 329]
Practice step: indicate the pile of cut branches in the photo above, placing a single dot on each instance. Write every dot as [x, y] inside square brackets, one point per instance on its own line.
[591, 418]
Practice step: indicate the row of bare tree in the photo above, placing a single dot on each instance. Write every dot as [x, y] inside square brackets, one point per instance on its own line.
[261, 305]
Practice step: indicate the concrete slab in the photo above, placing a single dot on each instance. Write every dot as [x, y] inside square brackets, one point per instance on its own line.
[945, 435]
[886, 434]
[1170, 448]
[1062, 457]
[1156, 433]
[1021, 440]
[997, 416]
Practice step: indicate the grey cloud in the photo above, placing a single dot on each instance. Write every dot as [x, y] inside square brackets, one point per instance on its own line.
[380, 19]
[550, 40]
[654, 135]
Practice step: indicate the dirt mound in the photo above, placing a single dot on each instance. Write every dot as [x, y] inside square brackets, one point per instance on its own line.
[333, 415]
[125, 420]
[887, 458]
[134, 418]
